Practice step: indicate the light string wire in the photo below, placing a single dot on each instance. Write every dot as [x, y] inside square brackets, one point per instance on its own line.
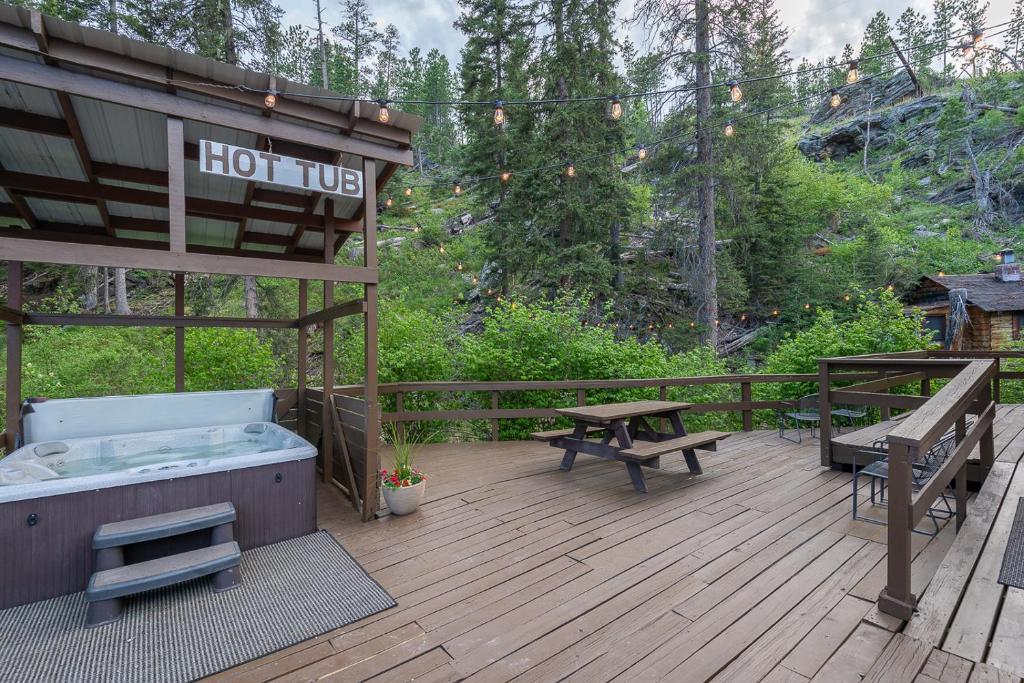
[600, 98]
[653, 145]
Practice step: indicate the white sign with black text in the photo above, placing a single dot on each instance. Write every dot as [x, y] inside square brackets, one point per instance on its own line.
[267, 167]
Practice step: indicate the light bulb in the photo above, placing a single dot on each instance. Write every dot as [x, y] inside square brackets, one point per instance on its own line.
[440, 249]
[616, 108]
[968, 50]
[852, 75]
[408, 192]
[641, 152]
[459, 267]
[570, 170]
[735, 94]
[775, 311]
[383, 115]
[389, 202]
[499, 113]
[670, 326]
[416, 229]
[835, 100]
[457, 189]
[889, 288]
[807, 307]
[847, 297]
[743, 317]
[729, 130]
[976, 36]
[941, 274]
[506, 176]
[693, 324]
[271, 99]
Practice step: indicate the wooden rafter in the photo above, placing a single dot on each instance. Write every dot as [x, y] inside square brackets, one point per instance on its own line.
[21, 208]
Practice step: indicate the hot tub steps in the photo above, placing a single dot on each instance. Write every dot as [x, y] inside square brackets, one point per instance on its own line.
[114, 580]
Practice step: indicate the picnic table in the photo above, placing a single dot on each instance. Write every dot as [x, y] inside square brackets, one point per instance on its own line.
[626, 432]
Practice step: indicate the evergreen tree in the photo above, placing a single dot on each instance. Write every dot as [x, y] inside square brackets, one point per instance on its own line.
[494, 60]
[875, 44]
[944, 29]
[1013, 41]
[387, 62]
[555, 229]
[357, 37]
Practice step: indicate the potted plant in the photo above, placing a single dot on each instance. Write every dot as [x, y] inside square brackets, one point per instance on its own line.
[404, 485]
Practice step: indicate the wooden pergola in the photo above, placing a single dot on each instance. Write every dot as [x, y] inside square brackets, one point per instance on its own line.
[119, 153]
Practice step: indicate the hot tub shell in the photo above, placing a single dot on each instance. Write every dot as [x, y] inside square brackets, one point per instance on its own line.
[46, 527]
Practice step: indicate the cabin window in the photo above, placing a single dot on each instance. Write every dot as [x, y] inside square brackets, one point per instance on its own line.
[936, 323]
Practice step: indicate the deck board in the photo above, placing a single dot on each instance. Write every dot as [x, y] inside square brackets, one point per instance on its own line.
[513, 569]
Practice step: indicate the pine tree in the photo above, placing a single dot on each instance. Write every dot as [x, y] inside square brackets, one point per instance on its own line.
[387, 59]
[357, 37]
[943, 29]
[494, 60]
[875, 49]
[1013, 41]
[914, 34]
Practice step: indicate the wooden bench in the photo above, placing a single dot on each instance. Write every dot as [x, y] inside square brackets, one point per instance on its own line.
[645, 450]
[113, 579]
[553, 434]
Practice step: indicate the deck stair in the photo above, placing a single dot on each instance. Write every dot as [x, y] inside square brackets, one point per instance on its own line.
[114, 580]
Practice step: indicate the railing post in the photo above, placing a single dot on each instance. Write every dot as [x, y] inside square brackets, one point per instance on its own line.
[581, 397]
[995, 381]
[824, 409]
[662, 396]
[495, 427]
[986, 447]
[399, 409]
[746, 395]
[896, 599]
[926, 387]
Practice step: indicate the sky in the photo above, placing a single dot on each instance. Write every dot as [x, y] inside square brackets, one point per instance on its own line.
[818, 28]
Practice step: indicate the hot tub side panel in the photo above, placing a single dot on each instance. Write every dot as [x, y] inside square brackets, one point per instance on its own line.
[46, 543]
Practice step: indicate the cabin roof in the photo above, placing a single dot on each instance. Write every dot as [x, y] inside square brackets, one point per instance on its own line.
[983, 290]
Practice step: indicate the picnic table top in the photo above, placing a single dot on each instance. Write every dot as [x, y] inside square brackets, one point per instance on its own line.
[620, 411]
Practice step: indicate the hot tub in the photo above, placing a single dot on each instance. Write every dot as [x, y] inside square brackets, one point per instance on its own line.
[71, 477]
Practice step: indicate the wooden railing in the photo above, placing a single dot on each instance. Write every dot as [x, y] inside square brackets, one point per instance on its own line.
[494, 413]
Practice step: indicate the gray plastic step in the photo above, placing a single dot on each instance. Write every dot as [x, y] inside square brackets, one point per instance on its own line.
[163, 571]
[162, 526]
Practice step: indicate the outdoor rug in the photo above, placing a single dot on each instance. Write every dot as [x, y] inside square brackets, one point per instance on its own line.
[291, 591]
[1012, 573]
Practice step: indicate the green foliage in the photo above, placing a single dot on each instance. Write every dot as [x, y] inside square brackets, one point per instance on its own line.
[227, 358]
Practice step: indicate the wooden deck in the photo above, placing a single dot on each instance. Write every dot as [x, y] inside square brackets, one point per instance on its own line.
[752, 571]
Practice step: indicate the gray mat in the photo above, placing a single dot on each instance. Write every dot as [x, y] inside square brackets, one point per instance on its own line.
[1012, 573]
[291, 591]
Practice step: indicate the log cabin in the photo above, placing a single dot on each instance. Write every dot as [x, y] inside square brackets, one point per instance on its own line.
[987, 308]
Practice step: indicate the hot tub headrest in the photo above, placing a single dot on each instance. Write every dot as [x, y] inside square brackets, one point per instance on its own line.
[70, 418]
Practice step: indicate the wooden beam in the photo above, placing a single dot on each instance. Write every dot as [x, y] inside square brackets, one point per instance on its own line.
[179, 332]
[179, 320]
[371, 464]
[61, 189]
[42, 251]
[302, 360]
[33, 123]
[11, 315]
[53, 78]
[176, 183]
[326, 416]
[22, 209]
[14, 333]
[337, 311]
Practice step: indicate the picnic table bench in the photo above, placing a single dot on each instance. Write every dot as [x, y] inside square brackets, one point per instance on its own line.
[637, 442]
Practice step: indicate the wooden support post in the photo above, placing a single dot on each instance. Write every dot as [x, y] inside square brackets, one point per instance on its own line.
[15, 277]
[176, 183]
[301, 363]
[399, 408]
[926, 387]
[746, 395]
[495, 425]
[884, 412]
[996, 390]
[179, 333]
[581, 397]
[986, 446]
[372, 463]
[326, 418]
[824, 408]
[897, 599]
[961, 496]
[662, 396]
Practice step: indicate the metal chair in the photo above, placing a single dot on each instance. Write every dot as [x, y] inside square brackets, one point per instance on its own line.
[848, 413]
[803, 410]
[921, 471]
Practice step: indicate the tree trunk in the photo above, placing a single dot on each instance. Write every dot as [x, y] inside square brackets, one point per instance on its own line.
[121, 292]
[323, 47]
[252, 302]
[106, 290]
[707, 277]
[92, 287]
[230, 48]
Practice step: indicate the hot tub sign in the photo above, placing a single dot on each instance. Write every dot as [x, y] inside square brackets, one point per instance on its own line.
[277, 169]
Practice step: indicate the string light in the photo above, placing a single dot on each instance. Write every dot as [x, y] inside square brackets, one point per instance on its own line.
[441, 249]
[416, 228]
[735, 94]
[499, 113]
[968, 50]
[476, 280]
[976, 36]
[459, 267]
[743, 317]
[670, 326]
[570, 170]
[889, 288]
[807, 307]
[852, 75]
[383, 114]
[408, 192]
[693, 324]
[941, 274]
[506, 176]
[775, 312]
[834, 100]
[641, 152]
[457, 189]
[270, 101]
[388, 202]
[729, 129]
[616, 108]
[847, 297]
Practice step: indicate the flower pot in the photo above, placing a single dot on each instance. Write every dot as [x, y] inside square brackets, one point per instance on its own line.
[406, 499]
